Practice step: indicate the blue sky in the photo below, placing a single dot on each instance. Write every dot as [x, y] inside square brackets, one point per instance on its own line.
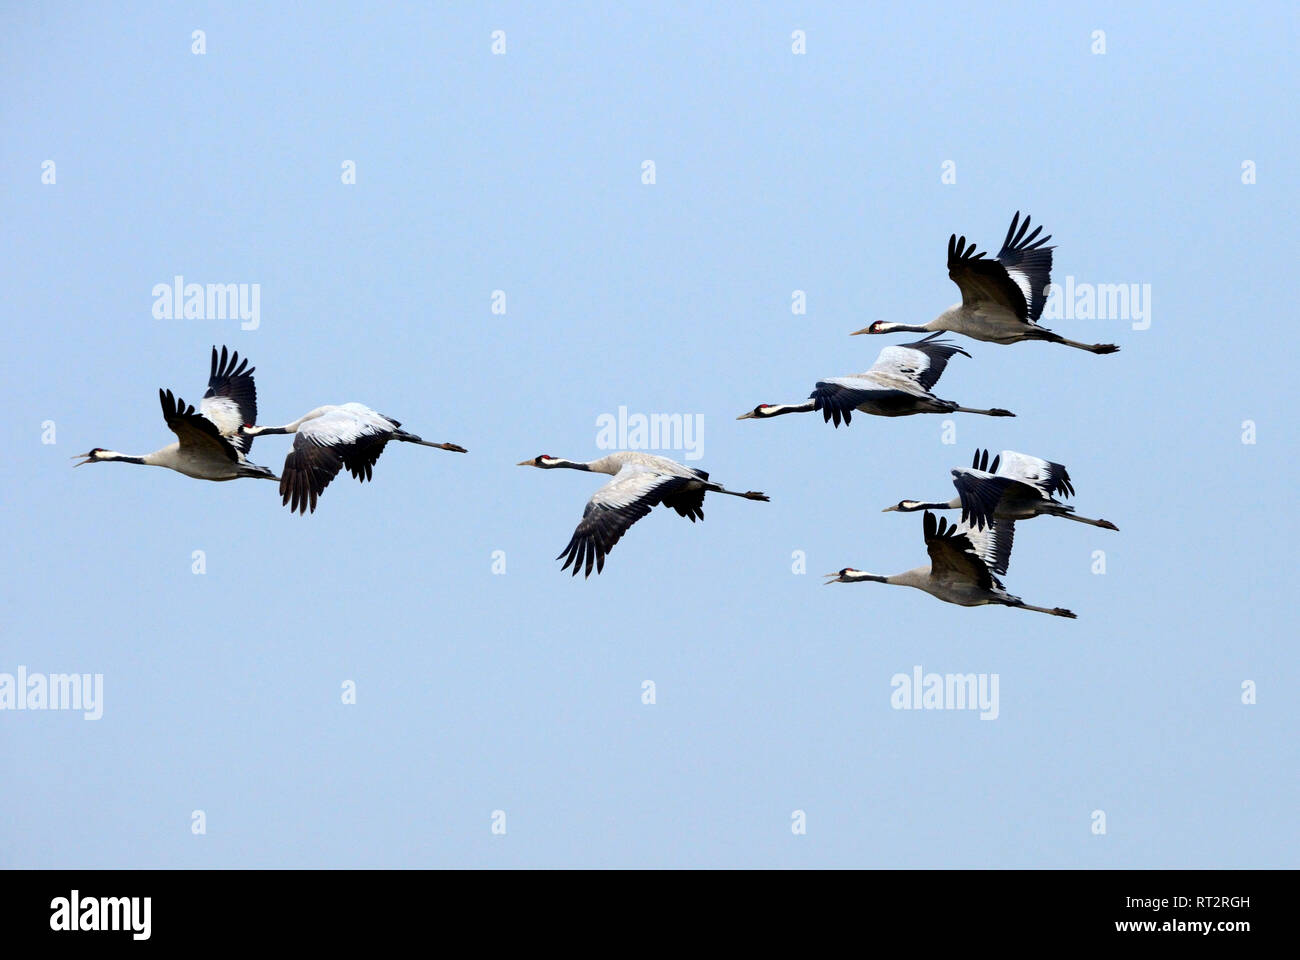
[521, 692]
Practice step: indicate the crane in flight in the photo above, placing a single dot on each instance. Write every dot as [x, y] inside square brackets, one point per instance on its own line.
[330, 438]
[1015, 486]
[1001, 299]
[209, 442]
[962, 569]
[640, 481]
[897, 385]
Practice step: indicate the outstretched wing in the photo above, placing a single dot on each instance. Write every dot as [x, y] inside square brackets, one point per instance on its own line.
[612, 509]
[952, 555]
[231, 400]
[194, 430]
[1051, 478]
[980, 494]
[838, 397]
[688, 503]
[921, 363]
[1017, 279]
[993, 544]
[321, 448]
[360, 456]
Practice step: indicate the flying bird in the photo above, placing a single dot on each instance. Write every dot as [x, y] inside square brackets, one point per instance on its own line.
[330, 438]
[963, 567]
[897, 385]
[1002, 298]
[640, 481]
[1015, 486]
[210, 444]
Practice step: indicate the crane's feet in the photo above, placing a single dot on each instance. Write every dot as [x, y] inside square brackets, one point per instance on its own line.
[1104, 348]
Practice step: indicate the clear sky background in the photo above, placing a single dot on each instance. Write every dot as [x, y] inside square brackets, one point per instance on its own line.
[521, 692]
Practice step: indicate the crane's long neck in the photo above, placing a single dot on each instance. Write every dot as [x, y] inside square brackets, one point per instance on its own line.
[780, 409]
[909, 578]
[918, 577]
[887, 327]
[112, 456]
[255, 431]
[594, 466]
[911, 506]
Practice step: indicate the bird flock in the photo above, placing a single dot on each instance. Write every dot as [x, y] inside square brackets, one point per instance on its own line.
[1002, 300]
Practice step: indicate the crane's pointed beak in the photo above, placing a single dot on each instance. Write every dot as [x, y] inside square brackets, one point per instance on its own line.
[746, 416]
[890, 509]
[525, 463]
[833, 578]
[85, 458]
[859, 332]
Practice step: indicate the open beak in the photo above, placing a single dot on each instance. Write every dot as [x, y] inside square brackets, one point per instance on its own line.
[833, 578]
[863, 330]
[746, 416]
[87, 459]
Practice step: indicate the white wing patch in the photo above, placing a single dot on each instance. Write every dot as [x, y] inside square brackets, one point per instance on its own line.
[632, 483]
[1021, 466]
[344, 426]
[1021, 280]
[222, 411]
[862, 382]
[993, 543]
[897, 364]
[650, 461]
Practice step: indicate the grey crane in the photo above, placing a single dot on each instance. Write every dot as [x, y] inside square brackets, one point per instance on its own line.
[1001, 299]
[209, 442]
[640, 481]
[332, 437]
[897, 385]
[963, 567]
[1015, 486]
